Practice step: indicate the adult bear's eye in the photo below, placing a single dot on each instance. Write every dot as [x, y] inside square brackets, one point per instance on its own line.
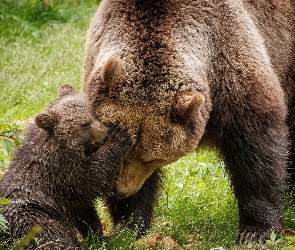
[86, 124]
[150, 162]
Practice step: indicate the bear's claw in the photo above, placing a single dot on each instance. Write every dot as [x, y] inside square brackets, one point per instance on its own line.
[255, 234]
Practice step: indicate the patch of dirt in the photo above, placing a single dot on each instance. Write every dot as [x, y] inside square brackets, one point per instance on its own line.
[157, 240]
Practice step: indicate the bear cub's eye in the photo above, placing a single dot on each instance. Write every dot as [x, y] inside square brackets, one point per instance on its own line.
[86, 124]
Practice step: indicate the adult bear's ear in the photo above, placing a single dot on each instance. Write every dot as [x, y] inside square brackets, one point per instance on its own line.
[188, 104]
[66, 89]
[45, 120]
[113, 75]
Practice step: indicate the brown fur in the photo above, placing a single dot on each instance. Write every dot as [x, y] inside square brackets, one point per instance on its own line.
[58, 172]
[183, 73]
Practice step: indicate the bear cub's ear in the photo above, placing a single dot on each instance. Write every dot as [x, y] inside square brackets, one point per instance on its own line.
[65, 90]
[45, 120]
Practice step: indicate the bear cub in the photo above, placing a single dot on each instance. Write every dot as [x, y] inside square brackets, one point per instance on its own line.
[67, 160]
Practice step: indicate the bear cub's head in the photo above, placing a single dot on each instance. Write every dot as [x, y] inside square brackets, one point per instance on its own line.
[71, 121]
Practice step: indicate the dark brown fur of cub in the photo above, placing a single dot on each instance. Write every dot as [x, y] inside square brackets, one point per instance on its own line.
[53, 178]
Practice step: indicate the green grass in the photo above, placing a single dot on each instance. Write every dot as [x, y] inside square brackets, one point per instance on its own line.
[198, 202]
[42, 46]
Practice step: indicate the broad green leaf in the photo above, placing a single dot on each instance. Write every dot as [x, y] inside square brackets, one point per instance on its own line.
[3, 157]
[4, 201]
[7, 145]
[4, 126]
[273, 236]
[270, 242]
[3, 222]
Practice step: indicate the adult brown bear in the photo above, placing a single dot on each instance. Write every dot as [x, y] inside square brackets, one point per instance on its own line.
[185, 72]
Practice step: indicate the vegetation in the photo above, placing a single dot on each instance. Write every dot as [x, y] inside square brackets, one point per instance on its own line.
[41, 47]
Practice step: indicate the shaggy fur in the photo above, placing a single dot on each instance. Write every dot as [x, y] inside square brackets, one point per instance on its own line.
[56, 175]
[182, 73]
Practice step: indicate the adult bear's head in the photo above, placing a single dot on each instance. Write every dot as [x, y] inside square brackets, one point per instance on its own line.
[168, 115]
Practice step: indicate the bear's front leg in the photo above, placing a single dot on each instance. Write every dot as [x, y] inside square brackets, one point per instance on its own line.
[87, 219]
[254, 145]
[136, 211]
